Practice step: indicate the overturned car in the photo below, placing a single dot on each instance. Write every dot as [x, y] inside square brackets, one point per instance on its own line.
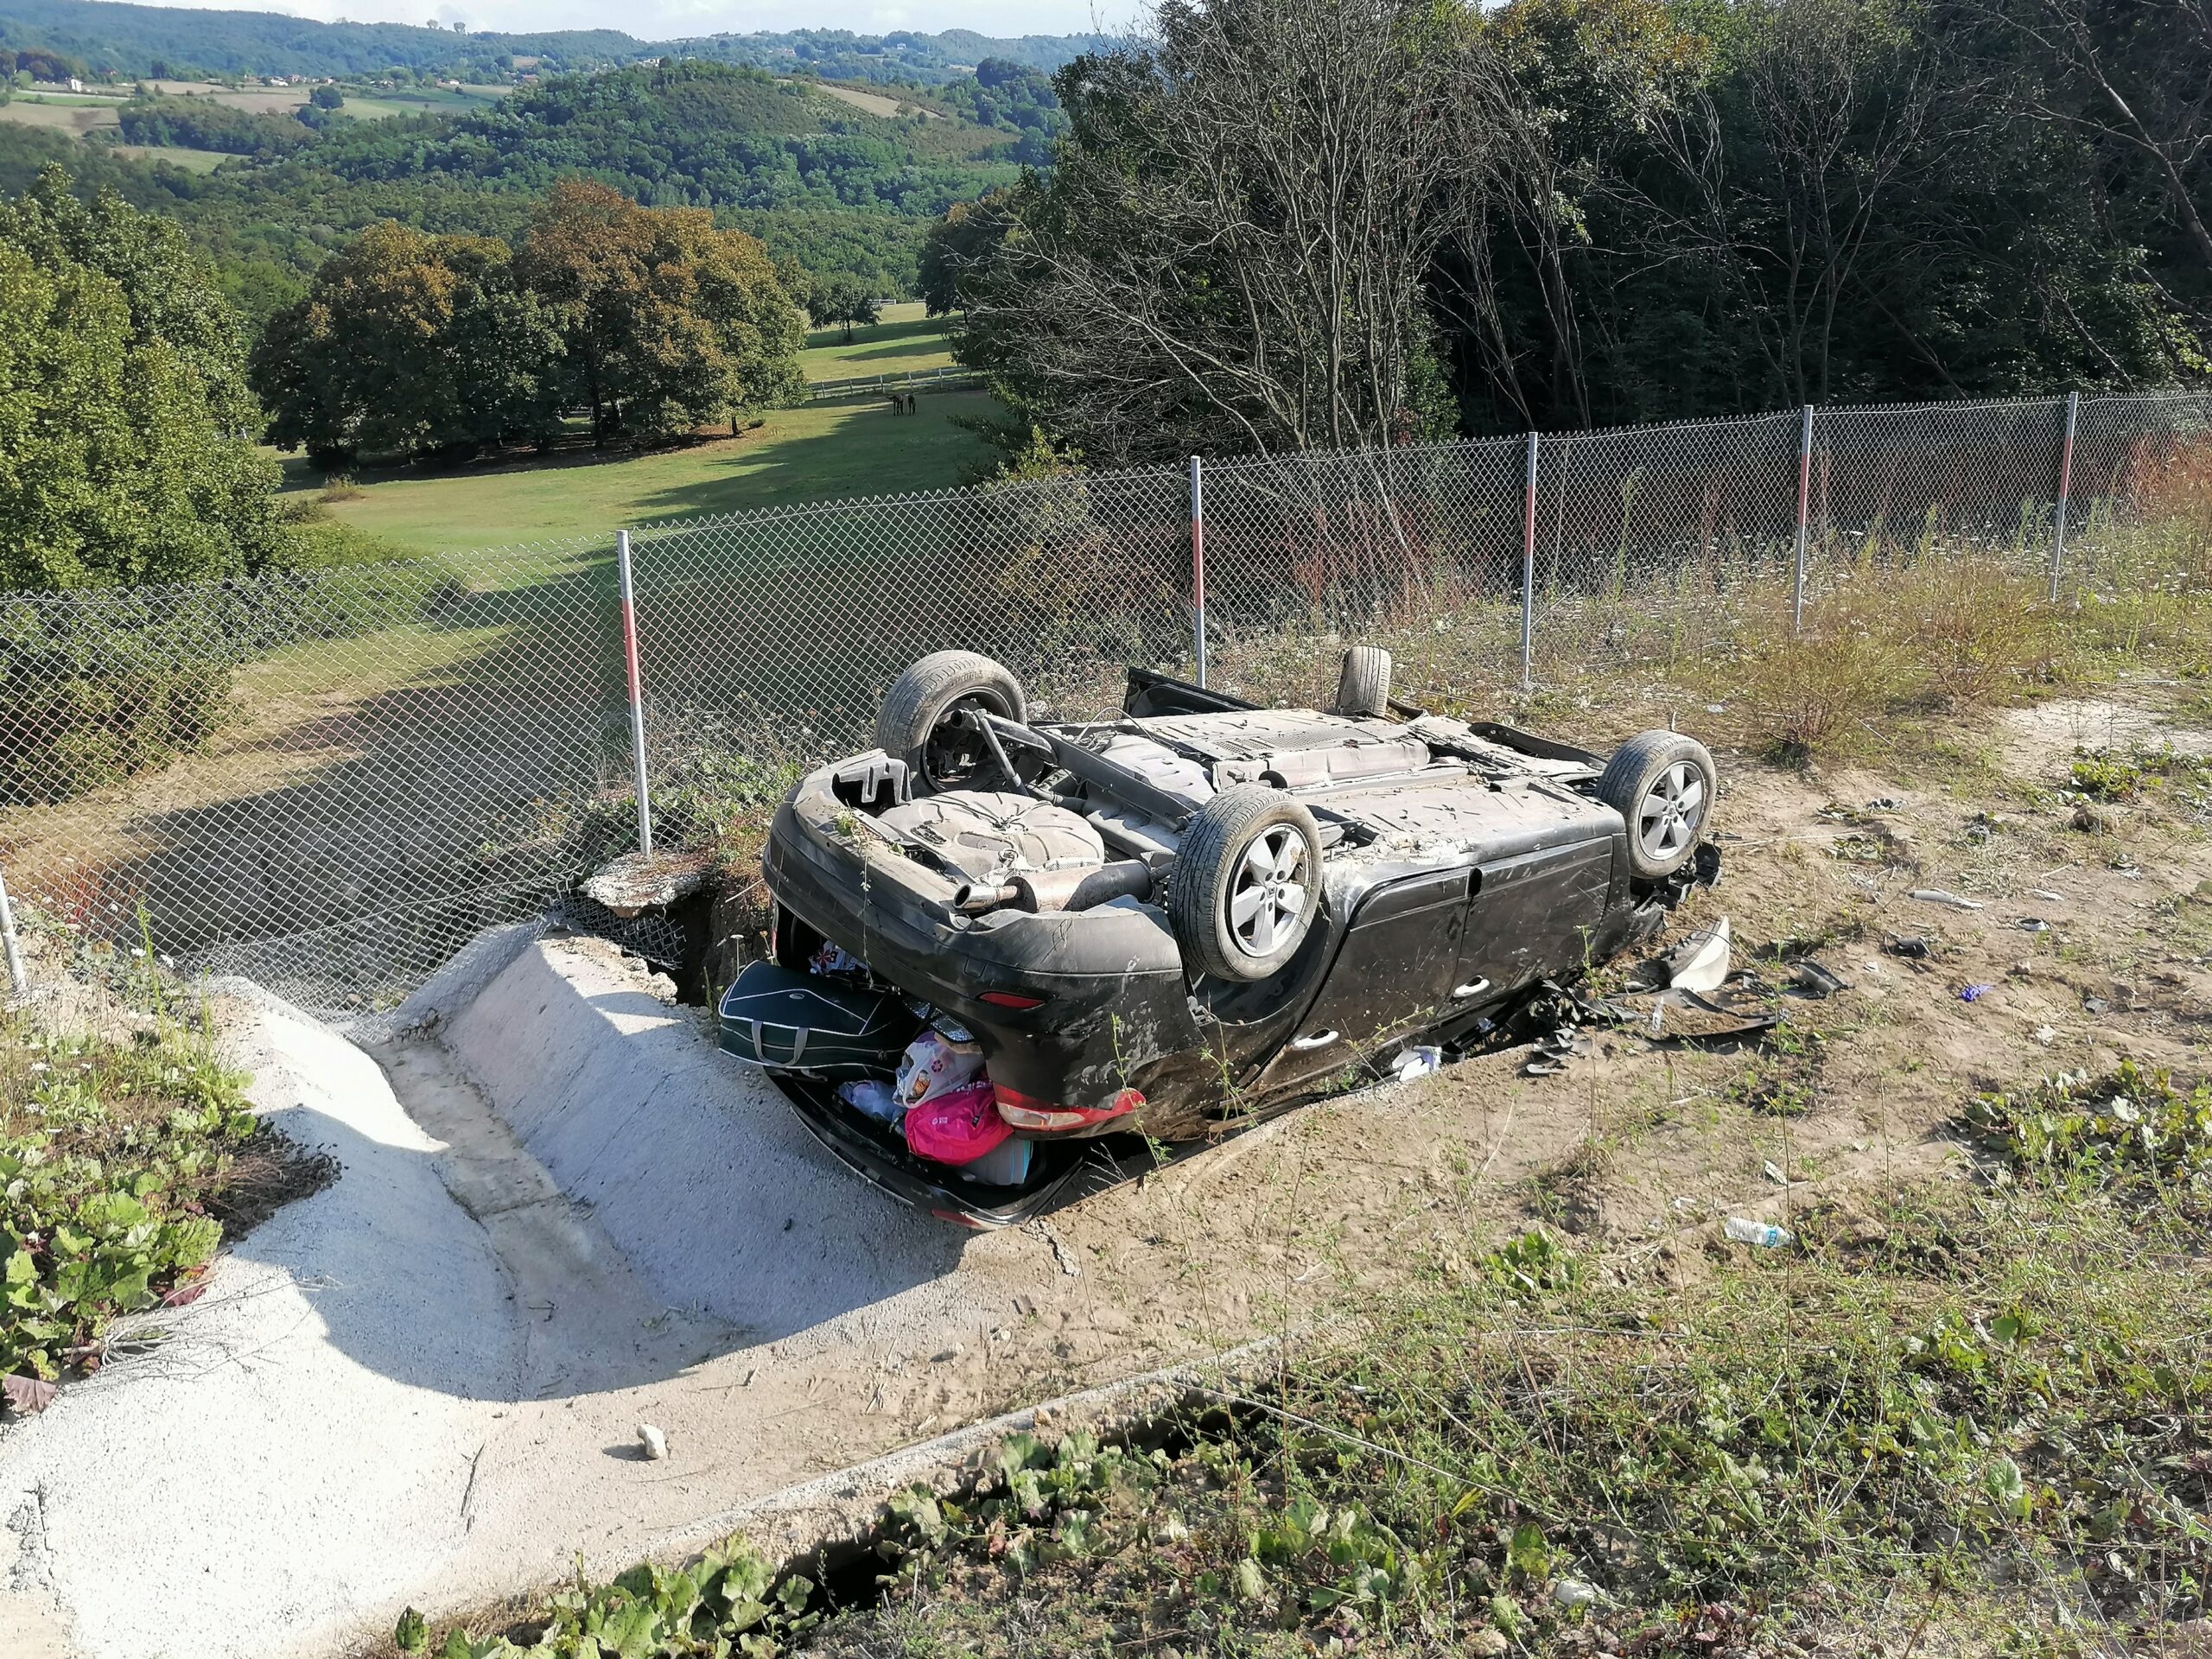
[1093, 938]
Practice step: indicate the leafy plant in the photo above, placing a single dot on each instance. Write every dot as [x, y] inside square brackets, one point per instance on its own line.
[111, 1158]
[2128, 1121]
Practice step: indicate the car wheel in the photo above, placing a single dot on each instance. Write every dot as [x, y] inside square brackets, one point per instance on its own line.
[910, 725]
[1363, 681]
[1247, 883]
[1662, 785]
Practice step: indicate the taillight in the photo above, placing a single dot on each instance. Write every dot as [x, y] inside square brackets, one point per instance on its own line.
[1011, 1000]
[1025, 1113]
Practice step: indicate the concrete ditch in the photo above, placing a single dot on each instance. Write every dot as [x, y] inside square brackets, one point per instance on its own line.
[562, 1213]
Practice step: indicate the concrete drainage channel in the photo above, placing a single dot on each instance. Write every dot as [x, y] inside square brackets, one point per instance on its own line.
[563, 1213]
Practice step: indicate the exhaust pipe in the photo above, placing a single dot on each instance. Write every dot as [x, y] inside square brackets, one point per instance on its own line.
[1079, 890]
[1056, 892]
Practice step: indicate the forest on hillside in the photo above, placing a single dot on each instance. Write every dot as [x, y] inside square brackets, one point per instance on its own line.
[1279, 225]
[829, 187]
[132, 41]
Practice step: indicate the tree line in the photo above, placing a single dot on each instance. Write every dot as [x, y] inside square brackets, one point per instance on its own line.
[409, 344]
[1286, 224]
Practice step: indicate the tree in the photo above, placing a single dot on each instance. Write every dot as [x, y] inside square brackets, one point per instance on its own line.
[125, 423]
[667, 322]
[327, 98]
[956, 243]
[841, 299]
[410, 344]
[2133, 77]
[1231, 247]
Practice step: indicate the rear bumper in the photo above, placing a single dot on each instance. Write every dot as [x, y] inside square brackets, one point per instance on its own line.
[1110, 980]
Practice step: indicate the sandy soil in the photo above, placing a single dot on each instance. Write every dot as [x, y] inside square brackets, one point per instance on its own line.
[1644, 1148]
[608, 1167]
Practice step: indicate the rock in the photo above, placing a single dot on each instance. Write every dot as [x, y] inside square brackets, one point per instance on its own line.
[1575, 1593]
[653, 1440]
[1490, 1642]
[944, 1356]
[634, 884]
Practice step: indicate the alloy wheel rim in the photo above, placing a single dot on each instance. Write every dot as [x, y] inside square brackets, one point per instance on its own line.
[1269, 896]
[1671, 812]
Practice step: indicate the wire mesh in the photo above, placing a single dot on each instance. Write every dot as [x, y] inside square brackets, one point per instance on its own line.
[1649, 542]
[2139, 521]
[325, 781]
[1418, 549]
[768, 638]
[330, 781]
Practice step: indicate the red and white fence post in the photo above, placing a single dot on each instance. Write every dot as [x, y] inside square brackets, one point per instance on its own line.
[637, 692]
[1529, 569]
[1198, 566]
[1804, 509]
[2065, 481]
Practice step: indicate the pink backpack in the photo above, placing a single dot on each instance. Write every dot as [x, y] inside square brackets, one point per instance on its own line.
[956, 1128]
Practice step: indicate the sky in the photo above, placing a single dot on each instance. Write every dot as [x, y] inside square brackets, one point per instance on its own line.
[655, 20]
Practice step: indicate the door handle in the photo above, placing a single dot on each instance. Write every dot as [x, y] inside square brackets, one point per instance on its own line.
[1319, 1040]
[1472, 988]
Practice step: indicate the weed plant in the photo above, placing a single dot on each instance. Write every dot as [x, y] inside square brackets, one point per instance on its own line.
[112, 1155]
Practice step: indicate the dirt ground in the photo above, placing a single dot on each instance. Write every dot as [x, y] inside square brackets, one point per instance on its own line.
[1645, 1148]
[629, 1170]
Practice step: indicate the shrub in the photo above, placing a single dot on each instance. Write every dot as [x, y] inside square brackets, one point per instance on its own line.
[1823, 690]
[111, 1157]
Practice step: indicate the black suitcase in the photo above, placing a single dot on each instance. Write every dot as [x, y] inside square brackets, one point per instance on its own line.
[803, 1022]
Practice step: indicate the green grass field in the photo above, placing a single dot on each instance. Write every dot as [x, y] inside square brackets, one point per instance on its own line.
[820, 452]
[192, 160]
[905, 341]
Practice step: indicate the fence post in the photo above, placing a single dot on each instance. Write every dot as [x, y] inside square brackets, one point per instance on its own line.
[1528, 570]
[637, 692]
[1198, 565]
[17, 977]
[2065, 480]
[1804, 506]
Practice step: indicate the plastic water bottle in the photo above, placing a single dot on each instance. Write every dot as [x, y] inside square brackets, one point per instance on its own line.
[1764, 1234]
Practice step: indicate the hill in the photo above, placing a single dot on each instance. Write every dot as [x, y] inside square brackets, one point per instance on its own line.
[698, 134]
[829, 185]
[130, 41]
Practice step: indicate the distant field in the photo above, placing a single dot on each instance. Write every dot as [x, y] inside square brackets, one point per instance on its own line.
[873, 103]
[259, 100]
[78, 115]
[192, 160]
[820, 452]
[905, 341]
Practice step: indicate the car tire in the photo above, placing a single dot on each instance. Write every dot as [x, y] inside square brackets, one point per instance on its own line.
[913, 709]
[1235, 919]
[1363, 681]
[1663, 786]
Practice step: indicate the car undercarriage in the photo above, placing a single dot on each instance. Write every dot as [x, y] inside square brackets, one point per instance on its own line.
[1148, 929]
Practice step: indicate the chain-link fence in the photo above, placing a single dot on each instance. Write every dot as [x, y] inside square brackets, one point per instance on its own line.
[331, 781]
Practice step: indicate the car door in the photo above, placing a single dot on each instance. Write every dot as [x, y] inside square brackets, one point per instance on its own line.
[1529, 916]
[1393, 974]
